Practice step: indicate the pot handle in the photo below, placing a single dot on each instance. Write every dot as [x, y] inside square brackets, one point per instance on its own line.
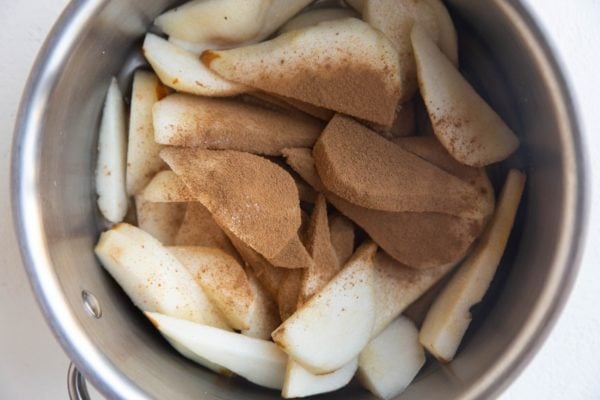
[76, 385]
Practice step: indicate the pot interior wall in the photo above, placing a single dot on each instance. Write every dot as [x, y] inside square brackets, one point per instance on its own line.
[494, 57]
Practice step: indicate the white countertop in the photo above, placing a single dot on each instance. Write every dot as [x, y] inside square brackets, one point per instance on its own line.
[33, 366]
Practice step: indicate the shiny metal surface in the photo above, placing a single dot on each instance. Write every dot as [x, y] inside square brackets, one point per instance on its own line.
[503, 54]
[76, 386]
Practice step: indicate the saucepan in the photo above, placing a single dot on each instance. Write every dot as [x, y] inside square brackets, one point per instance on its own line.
[503, 53]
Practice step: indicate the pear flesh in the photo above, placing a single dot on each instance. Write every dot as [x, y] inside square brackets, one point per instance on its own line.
[166, 187]
[390, 361]
[449, 316]
[313, 17]
[299, 382]
[153, 278]
[463, 122]
[142, 152]
[181, 70]
[327, 65]
[331, 328]
[223, 279]
[256, 360]
[110, 168]
[161, 220]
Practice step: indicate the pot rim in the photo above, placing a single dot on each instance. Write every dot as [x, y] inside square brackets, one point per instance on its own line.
[27, 210]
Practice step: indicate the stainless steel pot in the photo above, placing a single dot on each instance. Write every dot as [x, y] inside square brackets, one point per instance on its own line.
[503, 53]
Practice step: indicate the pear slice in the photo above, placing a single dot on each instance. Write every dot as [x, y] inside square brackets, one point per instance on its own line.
[166, 187]
[404, 123]
[419, 240]
[224, 22]
[256, 360]
[231, 185]
[327, 65]
[430, 149]
[331, 328]
[184, 120]
[300, 382]
[320, 248]
[389, 179]
[161, 220]
[142, 152]
[449, 316]
[198, 228]
[269, 276]
[318, 15]
[341, 230]
[417, 311]
[223, 279]
[153, 278]
[395, 18]
[192, 47]
[289, 293]
[462, 121]
[228, 22]
[447, 38]
[390, 362]
[397, 286]
[181, 70]
[264, 316]
[112, 152]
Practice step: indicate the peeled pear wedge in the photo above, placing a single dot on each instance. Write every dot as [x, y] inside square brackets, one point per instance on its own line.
[223, 279]
[225, 22]
[181, 70]
[342, 234]
[390, 178]
[449, 316]
[166, 187]
[389, 363]
[184, 120]
[300, 382]
[320, 248]
[463, 122]
[161, 220]
[313, 17]
[259, 361]
[331, 328]
[112, 153]
[153, 278]
[397, 286]
[264, 316]
[447, 38]
[142, 152]
[326, 65]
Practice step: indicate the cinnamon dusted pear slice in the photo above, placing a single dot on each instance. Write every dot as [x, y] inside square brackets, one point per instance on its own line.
[161, 220]
[166, 187]
[181, 70]
[289, 292]
[464, 123]
[226, 124]
[153, 278]
[223, 279]
[331, 328]
[403, 234]
[430, 149]
[264, 316]
[268, 275]
[397, 286]
[322, 252]
[341, 230]
[142, 151]
[360, 166]
[313, 17]
[198, 228]
[450, 316]
[231, 185]
[342, 65]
